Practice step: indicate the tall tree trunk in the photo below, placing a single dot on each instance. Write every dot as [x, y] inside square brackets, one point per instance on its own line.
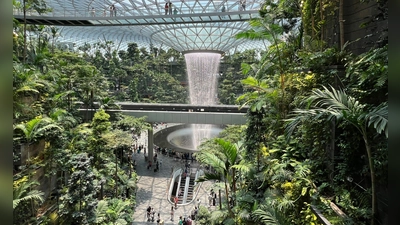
[227, 199]
[24, 32]
[116, 174]
[372, 174]
[321, 13]
[341, 26]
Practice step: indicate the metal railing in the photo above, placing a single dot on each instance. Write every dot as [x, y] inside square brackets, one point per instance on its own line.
[141, 11]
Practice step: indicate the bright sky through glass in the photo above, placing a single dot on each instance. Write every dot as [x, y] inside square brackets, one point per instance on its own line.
[149, 24]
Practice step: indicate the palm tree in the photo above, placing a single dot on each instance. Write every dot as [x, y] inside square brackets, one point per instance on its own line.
[337, 104]
[113, 211]
[35, 129]
[268, 214]
[24, 199]
[27, 86]
[108, 103]
[23, 193]
[224, 167]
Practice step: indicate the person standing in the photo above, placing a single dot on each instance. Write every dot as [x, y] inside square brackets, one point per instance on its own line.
[180, 221]
[166, 8]
[192, 213]
[148, 213]
[188, 221]
[210, 197]
[156, 169]
[198, 202]
[172, 213]
[176, 202]
[158, 218]
[93, 12]
[170, 8]
[153, 212]
[214, 199]
[111, 10]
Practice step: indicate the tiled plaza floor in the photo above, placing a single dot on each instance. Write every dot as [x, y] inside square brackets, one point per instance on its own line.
[153, 191]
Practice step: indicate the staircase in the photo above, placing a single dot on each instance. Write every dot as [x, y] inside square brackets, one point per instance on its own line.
[190, 193]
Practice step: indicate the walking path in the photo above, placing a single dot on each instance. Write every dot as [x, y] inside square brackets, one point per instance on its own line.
[153, 190]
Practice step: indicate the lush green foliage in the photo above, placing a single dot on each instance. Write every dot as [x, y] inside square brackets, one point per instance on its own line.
[338, 134]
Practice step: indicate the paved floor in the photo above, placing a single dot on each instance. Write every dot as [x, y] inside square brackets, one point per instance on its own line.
[153, 190]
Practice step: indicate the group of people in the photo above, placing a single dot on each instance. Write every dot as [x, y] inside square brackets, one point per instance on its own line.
[138, 149]
[150, 215]
[168, 9]
[184, 220]
[212, 197]
[157, 163]
[150, 212]
[112, 9]
[243, 4]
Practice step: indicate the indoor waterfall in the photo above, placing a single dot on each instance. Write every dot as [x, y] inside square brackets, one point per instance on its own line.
[202, 69]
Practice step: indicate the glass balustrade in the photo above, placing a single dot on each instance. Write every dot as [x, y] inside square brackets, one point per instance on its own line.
[142, 11]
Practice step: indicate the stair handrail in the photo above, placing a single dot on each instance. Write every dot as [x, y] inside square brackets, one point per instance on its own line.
[187, 184]
[196, 184]
[179, 182]
[171, 186]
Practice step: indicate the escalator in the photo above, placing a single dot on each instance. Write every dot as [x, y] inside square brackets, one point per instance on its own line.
[186, 186]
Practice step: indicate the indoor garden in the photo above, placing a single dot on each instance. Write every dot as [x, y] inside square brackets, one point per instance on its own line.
[315, 145]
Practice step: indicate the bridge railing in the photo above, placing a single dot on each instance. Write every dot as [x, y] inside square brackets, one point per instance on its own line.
[140, 11]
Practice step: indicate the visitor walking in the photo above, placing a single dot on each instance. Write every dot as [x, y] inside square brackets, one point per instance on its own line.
[172, 213]
[198, 202]
[158, 218]
[176, 202]
[148, 213]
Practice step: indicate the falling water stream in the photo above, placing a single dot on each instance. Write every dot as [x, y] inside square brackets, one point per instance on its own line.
[202, 68]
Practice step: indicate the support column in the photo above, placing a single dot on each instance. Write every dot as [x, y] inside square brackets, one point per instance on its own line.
[150, 143]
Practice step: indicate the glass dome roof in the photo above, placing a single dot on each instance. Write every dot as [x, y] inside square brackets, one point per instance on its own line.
[190, 25]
